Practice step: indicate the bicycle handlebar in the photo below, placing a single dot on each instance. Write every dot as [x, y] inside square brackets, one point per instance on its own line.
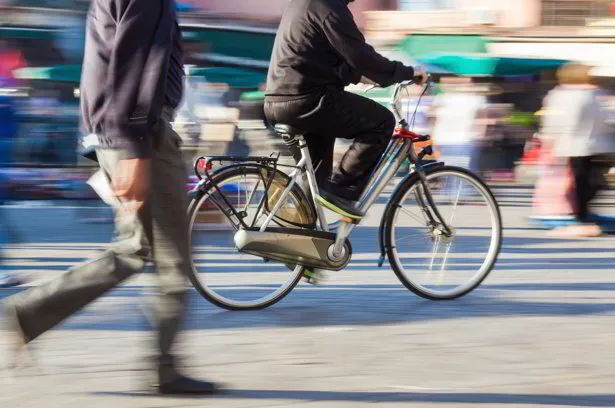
[396, 97]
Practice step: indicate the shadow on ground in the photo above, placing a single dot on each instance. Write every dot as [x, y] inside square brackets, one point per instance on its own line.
[590, 400]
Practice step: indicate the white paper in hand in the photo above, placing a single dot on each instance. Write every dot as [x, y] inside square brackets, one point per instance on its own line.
[102, 186]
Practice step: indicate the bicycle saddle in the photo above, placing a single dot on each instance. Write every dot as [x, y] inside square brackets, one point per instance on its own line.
[287, 130]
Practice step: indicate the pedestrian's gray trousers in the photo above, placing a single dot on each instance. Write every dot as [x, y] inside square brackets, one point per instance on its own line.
[160, 231]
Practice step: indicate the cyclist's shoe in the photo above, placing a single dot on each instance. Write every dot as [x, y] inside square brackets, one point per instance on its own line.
[340, 206]
[341, 187]
[313, 276]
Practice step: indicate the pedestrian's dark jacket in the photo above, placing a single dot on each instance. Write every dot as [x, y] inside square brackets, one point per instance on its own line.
[128, 48]
[318, 45]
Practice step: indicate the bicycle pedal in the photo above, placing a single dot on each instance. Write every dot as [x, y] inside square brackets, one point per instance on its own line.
[313, 277]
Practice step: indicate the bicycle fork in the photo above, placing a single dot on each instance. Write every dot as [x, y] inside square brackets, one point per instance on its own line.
[430, 209]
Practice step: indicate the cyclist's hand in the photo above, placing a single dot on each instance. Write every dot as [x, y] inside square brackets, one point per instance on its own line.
[420, 75]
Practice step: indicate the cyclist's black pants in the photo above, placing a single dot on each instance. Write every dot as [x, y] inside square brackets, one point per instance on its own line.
[337, 114]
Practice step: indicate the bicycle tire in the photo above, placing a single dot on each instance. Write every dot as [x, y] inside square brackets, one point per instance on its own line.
[195, 204]
[393, 207]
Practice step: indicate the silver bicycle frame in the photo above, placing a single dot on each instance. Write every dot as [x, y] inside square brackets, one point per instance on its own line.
[395, 154]
[306, 167]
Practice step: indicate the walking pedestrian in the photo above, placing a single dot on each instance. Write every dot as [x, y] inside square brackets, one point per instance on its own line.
[577, 126]
[131, 85]
[9, 61]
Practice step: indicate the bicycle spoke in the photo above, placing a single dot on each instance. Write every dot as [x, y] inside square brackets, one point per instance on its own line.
[444, 261]
[246, 196]
[450, 221]
[415, 217]
[405, 237]
[434, 251]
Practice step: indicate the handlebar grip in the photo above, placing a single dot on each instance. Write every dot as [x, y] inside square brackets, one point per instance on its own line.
[418, 79]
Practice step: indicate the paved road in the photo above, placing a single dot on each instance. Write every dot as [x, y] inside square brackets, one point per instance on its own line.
[539, 332]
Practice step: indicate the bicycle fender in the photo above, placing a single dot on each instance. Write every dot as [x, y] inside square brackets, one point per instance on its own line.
[384, 246]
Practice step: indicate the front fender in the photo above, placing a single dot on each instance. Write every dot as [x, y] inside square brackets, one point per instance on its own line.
[382, 228]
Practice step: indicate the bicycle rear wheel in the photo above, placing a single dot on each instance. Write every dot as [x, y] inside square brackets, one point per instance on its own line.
[441, 266]
[221, 274]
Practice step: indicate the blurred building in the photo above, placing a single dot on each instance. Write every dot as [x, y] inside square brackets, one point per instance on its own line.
[582, 30]
[484, 15]
[270, 11]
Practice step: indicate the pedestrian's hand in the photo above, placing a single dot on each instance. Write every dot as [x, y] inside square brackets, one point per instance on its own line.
[131, 182]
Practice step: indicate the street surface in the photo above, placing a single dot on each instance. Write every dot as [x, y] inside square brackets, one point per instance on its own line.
[538, 332]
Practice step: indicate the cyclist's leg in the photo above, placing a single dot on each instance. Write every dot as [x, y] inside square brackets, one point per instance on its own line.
[340, 114]
[371, 126]
[305, 114]
[350, 116]
[321, 152]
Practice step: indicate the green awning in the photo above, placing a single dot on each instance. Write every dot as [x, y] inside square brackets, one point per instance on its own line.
[59, 73]
[235, 77]
[232, 45]
[253, 96]
[417, 45]
[27, 33]
[489, 65]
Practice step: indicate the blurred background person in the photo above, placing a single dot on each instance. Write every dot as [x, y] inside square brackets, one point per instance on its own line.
[458, 126]
[576, 129]
[492, 156]
[9, 61]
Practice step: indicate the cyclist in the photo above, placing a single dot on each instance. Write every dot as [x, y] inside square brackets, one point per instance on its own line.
[318, 51]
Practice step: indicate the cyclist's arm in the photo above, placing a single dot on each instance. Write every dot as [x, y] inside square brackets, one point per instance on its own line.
[348, 74]
[367, 81]
[345, 37]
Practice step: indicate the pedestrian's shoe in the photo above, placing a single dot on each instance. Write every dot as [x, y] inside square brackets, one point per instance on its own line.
[10, 281]
[180, 385]
[577, 231]
[14, 342]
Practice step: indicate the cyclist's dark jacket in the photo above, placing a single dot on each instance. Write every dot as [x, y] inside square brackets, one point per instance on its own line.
[318, 45]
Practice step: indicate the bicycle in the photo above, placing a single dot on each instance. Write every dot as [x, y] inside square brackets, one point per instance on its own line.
[261, 225]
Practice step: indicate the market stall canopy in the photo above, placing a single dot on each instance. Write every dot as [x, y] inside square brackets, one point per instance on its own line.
[237, 78]
[234, 77]
[58, 73]
[232, 45]
[417, 45]
[489, 65]
[27, 33]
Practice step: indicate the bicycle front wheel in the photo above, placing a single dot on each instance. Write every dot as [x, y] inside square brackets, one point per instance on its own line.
[431, 261]
[221, 274]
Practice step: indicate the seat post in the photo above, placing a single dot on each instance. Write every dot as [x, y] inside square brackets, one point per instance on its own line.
[295, 141]
[309, 172]
[292, 143]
